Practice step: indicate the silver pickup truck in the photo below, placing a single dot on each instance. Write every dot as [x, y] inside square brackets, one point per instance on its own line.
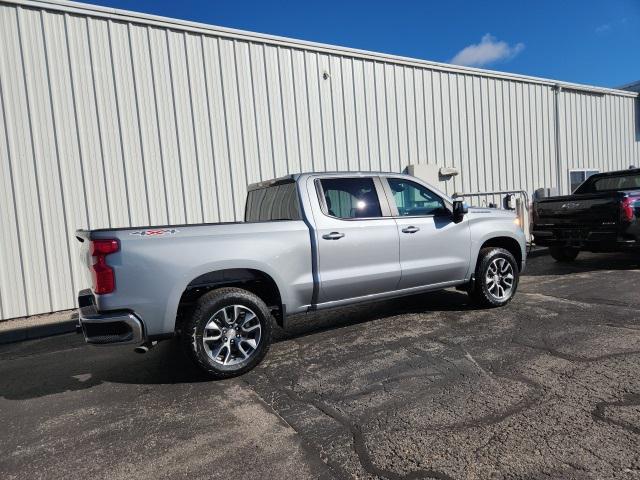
[309, 241]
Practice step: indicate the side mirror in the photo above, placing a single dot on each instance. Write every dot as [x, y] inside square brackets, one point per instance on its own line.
[460, 209]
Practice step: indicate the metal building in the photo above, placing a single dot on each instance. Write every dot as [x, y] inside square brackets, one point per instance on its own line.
[112, 118]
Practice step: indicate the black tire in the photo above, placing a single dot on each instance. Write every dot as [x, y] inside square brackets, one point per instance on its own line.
[194, 329]
[480, 290]
[564, 254]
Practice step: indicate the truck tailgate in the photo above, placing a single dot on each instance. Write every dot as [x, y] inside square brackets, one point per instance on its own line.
[589, 210]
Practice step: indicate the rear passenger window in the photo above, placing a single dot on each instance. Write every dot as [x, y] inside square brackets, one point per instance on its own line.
[276, 202]
[351, 197]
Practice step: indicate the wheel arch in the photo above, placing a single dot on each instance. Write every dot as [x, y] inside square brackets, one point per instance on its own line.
[253, 280]
[510, 244]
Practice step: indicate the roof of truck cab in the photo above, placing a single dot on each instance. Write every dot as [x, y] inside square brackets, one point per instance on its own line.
[615, 173]
[294, 177]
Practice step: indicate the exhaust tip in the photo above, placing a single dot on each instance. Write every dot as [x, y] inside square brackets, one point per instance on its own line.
[145, 347]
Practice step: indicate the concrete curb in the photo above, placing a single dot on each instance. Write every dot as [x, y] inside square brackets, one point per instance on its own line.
[31, 332]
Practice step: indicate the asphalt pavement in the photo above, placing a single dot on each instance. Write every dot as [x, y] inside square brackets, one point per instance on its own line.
[420, 387]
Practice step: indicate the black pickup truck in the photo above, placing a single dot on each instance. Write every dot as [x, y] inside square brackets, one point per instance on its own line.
[602, 215]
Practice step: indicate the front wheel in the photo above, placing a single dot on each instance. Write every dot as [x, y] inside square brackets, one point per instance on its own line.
[564, 254]
[228, 333]
[496, 277]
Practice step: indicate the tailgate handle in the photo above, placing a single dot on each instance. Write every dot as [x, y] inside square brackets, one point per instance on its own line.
[333, 236]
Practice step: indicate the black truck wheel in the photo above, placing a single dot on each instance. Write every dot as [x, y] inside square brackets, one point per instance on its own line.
[228, 333]
[496, 277]
[564, 254]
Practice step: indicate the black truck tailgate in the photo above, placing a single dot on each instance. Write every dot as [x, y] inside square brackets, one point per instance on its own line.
[588, 210]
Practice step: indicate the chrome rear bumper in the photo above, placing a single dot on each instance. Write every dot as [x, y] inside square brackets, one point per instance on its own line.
[107, 328]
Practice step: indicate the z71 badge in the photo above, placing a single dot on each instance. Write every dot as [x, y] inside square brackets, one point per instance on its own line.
[157, 232]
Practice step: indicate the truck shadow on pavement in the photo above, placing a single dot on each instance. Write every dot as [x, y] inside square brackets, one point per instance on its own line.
[72, 365]
[315, 322]
[82, 367]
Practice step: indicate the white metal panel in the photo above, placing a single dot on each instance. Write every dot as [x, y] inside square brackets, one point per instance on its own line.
[419, 117]
[71, 171]
[86, 121]
[325, 94]
[23, 167]
[502, 164]
[185, 129]
[300, 88]
[151, 155]
[373, 136]
[45, 151]
[318, 158]
[290, 127]
[392, 117]
[113, 167]
[453, 133]
[115, 119]
[339, 116]
[130, 125]
[273, 90]
[246, 110]
[216, 107]
[12, 298]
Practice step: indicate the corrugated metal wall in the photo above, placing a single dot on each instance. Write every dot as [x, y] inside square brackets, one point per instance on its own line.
[598, 131]
[113, 120]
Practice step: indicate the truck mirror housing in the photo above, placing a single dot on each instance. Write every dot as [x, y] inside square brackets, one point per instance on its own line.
[460, 209]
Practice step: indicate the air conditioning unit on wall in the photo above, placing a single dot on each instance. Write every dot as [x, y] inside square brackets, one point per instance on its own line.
[431, 173]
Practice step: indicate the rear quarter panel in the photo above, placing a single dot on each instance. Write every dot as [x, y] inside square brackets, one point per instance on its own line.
[152, 271]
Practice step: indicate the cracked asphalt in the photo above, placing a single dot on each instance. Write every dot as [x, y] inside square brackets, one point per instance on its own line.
[419, 387]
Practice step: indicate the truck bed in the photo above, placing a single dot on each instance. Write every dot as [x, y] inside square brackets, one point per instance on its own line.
[149, 256]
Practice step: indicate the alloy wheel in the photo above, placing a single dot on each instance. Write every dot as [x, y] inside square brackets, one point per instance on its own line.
[232, 335]
[499, 278]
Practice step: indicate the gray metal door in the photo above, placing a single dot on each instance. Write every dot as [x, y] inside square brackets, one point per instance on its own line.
[433, 249]
[358, 251]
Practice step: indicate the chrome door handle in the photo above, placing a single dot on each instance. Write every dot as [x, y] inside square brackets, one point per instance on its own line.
[333, 236]
[410, 229]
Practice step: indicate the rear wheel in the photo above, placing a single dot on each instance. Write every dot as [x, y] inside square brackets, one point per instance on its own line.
[564, 254]
[496, 277]
[228, 333]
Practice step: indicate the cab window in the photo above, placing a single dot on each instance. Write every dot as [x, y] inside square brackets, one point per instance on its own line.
[619, 182]
[276, 202]
[412, 199]
[347, 198]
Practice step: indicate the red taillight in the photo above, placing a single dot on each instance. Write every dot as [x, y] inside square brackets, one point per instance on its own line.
[104, 280]
[627, 208]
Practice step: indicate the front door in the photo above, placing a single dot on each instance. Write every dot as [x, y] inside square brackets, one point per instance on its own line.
[358, 251]
[433, 249]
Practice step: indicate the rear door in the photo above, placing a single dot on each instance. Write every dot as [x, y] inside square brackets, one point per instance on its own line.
[433, 249]
[358, 252]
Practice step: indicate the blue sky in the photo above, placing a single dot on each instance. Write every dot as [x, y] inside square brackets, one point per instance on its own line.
[591, 42]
